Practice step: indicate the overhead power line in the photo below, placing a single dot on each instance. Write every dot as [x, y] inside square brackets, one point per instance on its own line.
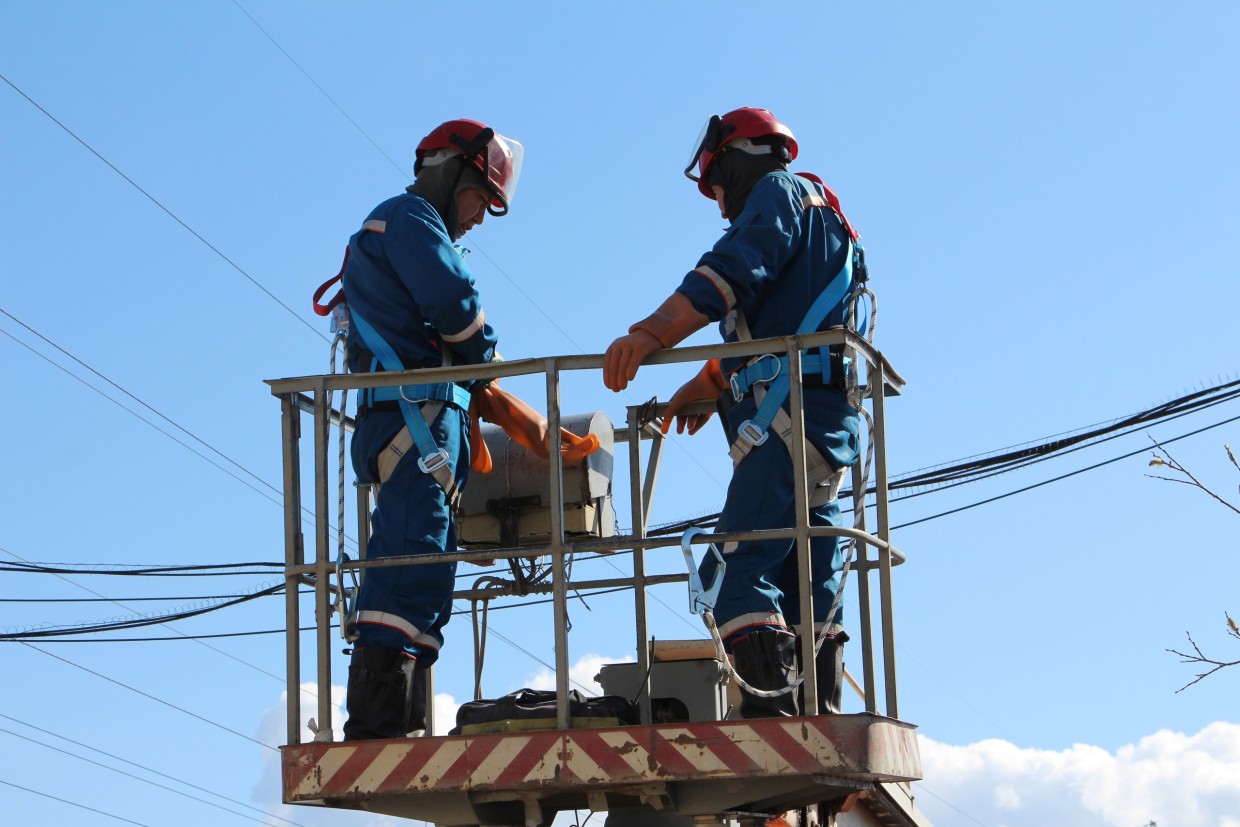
[142, 767]
[149, 696]
[169, 212]
[146, 405]
[73, 803]
[156, 784]
[266, 494]
[975, 470]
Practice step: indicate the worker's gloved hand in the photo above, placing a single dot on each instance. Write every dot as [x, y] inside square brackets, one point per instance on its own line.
[668, 326]
[705, 387]
[625, 355]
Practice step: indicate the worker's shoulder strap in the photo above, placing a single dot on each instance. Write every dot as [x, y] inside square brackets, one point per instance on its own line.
[767, 374]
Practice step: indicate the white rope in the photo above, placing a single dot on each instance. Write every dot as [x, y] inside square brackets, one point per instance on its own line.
[728, 671]
[340, 340]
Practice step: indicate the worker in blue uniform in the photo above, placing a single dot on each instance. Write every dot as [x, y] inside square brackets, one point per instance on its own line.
[412, 304]
[788, 248]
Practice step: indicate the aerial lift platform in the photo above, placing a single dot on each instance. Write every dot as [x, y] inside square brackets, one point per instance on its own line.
[693, 766]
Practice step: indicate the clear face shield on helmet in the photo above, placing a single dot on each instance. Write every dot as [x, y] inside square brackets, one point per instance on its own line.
[708, 140]
[503, 170]
[497, 157]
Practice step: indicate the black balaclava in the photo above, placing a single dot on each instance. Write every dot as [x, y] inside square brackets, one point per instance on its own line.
[439, 185]
[737, 171]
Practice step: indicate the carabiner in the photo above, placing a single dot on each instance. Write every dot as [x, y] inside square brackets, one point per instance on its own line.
[701, 599]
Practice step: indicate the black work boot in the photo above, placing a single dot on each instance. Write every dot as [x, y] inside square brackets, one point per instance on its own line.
[766, 660]
[829, 670]
[380, 694]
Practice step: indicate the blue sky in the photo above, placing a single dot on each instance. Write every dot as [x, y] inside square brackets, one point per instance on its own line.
[1046, 195]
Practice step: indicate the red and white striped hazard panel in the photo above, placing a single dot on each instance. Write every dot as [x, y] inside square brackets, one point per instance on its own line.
[857, 746]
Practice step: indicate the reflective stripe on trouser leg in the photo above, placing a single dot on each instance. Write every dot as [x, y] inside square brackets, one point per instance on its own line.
[412, 517]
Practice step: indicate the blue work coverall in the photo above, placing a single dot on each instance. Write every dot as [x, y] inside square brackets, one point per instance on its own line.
[772, 263]
[407, 284]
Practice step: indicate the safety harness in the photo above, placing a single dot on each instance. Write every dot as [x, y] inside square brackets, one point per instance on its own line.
[419, 404]
[766, 375]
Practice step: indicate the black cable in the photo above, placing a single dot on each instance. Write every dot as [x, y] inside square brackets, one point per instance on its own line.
[963, 472]
[139, 766]
[141, 417]
[139, 570]
[139, 778]
[137, 623]
[73, 803]
[150, 696]
[146, 405]
[188, 598]
[170, 213]
[135, 414]
[457, 612]
[1065, 476]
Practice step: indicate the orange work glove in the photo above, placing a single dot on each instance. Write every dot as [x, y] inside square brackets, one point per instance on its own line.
[708, 385]
[526, 426]
[479, 453]
[668, 326]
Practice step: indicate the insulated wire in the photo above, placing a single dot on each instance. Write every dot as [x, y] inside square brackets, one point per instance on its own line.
[149, 407]
[307, 514]
[146, 780]
[200, 643]
[1064, 476]
[169, 212]
[73, 803]
[120, 405]
[152, 697]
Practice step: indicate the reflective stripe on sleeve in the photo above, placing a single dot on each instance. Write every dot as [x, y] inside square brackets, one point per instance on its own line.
[720, 283]
[472, 328]
[374, 225]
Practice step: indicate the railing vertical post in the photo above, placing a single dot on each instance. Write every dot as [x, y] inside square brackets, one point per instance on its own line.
[294, 555]
[558, 569]
[637, 504]
[877, 383]
[322, 542]
[800, 499]
[863, 583]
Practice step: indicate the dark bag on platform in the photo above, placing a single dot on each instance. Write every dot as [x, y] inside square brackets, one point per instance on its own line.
[533, 709]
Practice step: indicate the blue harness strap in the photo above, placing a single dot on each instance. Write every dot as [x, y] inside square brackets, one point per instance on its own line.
[432, 459]
[754, 430]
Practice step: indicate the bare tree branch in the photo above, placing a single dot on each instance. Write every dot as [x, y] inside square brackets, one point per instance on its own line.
[1199, 657]
[1164, 459]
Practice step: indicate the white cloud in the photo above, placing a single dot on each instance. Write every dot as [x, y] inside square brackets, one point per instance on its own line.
[1168, 777]
[581, 674]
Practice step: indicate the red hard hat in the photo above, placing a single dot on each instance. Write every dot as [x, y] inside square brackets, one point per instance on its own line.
[497, 157]
[718, 132]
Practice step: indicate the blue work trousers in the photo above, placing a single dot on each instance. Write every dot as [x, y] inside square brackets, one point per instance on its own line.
[406, 607]
[760, 590]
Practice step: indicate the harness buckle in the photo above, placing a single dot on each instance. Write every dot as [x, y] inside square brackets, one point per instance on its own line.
[433, 462]
[751, 433]
[753, 376]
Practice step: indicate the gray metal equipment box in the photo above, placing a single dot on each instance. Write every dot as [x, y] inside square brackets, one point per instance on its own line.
[684, 682]
[509, 507]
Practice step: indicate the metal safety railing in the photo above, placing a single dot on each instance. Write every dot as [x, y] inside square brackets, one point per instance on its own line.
[311, 395]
